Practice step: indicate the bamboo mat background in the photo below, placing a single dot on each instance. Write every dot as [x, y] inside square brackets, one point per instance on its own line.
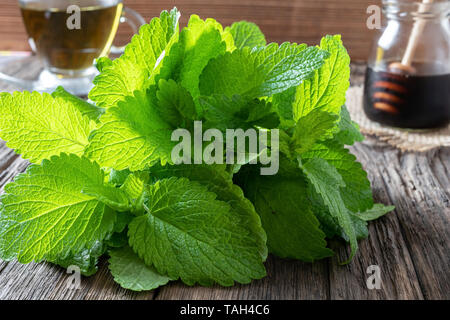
[281, 20]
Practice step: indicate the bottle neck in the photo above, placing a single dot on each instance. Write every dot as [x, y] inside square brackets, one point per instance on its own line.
[406, 10]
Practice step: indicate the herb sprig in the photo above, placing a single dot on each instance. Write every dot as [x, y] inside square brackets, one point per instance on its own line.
[102, 180]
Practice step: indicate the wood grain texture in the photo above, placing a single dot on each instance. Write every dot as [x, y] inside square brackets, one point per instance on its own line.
[411, 245]
[281, 20]
[287, 280]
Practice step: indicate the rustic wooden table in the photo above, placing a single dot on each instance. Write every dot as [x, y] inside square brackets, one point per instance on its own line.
[410, 245]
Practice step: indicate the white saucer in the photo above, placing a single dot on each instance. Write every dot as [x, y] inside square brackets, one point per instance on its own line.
[24, 72]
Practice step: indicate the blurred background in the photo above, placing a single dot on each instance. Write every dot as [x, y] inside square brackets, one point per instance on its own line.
[280, 20]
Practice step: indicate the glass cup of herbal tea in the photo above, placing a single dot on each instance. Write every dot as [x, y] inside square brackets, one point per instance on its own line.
[67, 37]
[408, 76]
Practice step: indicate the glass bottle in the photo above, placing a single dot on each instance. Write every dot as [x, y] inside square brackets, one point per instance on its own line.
[408, 76]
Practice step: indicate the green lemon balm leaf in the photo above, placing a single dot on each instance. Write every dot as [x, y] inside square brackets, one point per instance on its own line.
[118, 177]
[87, 109]
[315, 126]
[201, 41]
[357, 193]
[85, 259]
[175, 104]
[234, 73]
[39, 126]
[328, 184]
[218, 180]
[282, 103]
[134, 185]
[127, 198]
[103, 62]
[261, 72]
[44, 214]
[348, 129]
[118, 239]
[188, 234]
[286, 213]
[222, 112]
[132, 273]
[378, 210]
[247, 34]
[287, 65]
[226, 35]
[131, 136]
[113, 197]
[326, 89]
[131, 71]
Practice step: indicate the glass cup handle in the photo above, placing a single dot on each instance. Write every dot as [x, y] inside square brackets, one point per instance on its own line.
[134, 20]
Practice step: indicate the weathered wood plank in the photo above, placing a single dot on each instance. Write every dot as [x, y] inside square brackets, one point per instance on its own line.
[32, 281]
[384, 248]
[50, 282]
[289, 280]
[6, 157]
[101, 286]
[15, 165]
[424, 219]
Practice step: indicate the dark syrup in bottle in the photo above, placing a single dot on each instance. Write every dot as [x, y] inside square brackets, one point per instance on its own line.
[408, 100]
